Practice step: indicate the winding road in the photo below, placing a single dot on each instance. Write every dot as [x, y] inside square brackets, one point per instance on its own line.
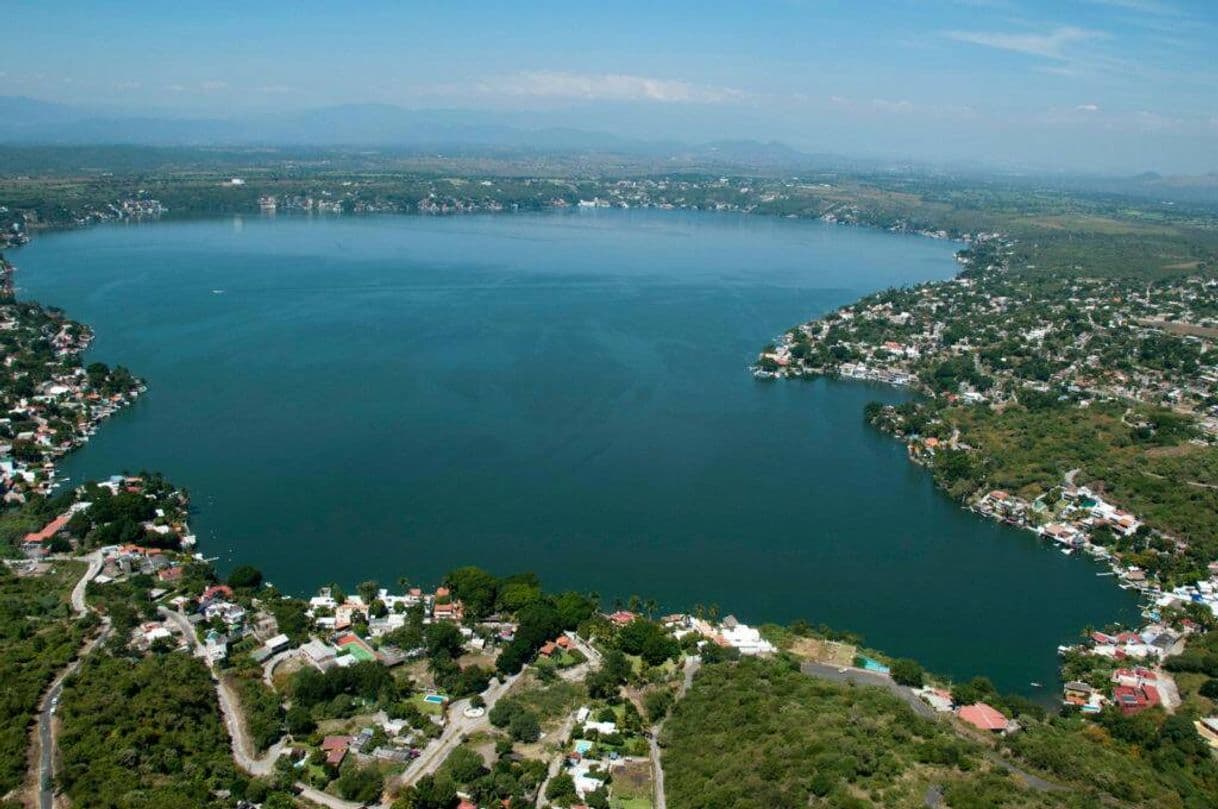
[659, 795]
[230, 707]
[44, 724]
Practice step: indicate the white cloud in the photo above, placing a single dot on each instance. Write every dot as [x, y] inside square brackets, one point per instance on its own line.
[1053, 44]
[208, 86]
[1088, 108]
[607, 87]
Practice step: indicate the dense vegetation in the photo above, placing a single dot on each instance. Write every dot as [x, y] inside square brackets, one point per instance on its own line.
[38, 638]
[760, 733]
[144, 733]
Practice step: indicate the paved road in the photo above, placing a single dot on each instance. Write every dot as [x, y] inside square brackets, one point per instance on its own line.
[230, 707]
[459, 726]
[325, 798]
[44, 723]
[659, 793]
[556, 763]
[78, 592]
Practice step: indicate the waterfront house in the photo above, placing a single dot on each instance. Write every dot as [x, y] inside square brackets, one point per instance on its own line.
[984, 717]
[446, 608]
[622, 617]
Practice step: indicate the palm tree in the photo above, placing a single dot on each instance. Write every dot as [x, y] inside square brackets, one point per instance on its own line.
[404, 583]
[650, 607]
[713, 613]
[635, 603]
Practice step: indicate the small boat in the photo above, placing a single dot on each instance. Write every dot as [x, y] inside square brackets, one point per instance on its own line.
[1036, 684]
[217, 292]
[1067, 551]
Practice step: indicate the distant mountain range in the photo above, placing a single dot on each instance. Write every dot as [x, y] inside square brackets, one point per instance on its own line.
[465, 133]
[29, 121]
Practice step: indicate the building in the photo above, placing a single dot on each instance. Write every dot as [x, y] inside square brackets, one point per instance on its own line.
[983, 717]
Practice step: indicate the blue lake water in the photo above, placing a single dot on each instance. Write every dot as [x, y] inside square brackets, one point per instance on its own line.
[365, 398]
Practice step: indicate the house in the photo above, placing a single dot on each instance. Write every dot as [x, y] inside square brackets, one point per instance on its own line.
[622, 617]
[215, 591]
[1135, 677]
[446, 608]
[335, 748]
[1063, 533]
[1134, 699]
[744, 638]
[216, 646]
[170, 574]
[1207, 729]
[937, 698]
[603, 728]
[277, 644]
[49, 530]
[319, 654]
[983, 717]
[1076, 690]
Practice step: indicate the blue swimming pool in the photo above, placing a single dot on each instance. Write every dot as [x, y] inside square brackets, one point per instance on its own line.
[874, 665]
[435, 699]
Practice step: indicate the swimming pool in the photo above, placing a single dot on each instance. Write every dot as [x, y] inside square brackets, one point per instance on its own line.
[435, 699]
[874, 665]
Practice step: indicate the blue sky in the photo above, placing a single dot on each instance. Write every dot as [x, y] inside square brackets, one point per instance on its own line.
[1090, 84]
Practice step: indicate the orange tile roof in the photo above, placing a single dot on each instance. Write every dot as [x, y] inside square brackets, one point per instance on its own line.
[983, 716]
[50, 529]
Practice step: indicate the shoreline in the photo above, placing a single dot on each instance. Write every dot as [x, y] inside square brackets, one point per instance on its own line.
[884, 338]
[224, 216]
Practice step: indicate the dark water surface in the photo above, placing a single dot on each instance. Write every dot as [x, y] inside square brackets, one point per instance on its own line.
[357, 398]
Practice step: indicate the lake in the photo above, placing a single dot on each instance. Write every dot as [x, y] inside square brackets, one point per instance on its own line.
[356, 398]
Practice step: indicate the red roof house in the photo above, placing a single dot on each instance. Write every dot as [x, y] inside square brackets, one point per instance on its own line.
[335, 748]
[983, 717]
[1132, 699]
[622, 617]
[49, 530]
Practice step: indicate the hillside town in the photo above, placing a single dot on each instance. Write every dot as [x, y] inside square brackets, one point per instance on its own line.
[485, 691]
[991, 353]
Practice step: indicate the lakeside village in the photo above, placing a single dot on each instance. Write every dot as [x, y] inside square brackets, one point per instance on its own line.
[375, 692]
[51, 404]
[788, 197]
[986, 342]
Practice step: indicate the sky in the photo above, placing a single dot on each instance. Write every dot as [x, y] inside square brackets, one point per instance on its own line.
[1089, 85]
